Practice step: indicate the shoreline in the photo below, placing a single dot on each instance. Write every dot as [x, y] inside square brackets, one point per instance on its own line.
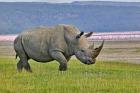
[107, 36]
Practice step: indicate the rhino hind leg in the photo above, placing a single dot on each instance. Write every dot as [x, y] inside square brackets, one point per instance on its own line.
[23, 63]
[26, 66]
[21, 53]
[19, 66]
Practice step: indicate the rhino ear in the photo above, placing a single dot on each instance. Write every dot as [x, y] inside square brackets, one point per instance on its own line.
[79, 35]
[88, 34]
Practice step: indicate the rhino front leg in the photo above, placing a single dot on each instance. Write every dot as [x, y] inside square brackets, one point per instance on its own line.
[58, 56]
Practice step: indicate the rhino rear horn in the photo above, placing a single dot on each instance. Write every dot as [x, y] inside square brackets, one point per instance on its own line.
[96, 51]
[79, 35]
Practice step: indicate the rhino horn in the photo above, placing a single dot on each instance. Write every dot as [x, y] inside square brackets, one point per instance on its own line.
[79, 35]
[96, 51]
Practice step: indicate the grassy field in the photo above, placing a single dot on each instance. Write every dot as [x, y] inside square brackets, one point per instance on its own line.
[106, 76]
[103, 77]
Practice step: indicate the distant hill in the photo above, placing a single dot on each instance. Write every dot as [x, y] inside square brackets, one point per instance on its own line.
[87, 16]
[107, 3]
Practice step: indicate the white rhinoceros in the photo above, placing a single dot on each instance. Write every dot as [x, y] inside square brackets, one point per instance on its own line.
[55, 43]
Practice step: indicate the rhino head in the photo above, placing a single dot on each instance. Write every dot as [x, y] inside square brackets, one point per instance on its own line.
[79, 45]
[87, 55]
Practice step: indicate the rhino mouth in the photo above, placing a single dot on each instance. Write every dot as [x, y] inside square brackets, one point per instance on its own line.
[89, 62]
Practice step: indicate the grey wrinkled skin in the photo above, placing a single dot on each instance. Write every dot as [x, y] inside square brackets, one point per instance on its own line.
[56, 43]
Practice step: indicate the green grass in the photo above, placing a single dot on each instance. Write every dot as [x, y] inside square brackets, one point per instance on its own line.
[103, 77]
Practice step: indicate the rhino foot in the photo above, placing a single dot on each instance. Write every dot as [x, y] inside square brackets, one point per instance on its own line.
[63, 67]
[23, 63]
[27, 67]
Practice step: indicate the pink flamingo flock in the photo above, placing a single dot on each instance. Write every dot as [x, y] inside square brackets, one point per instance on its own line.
[108, 36]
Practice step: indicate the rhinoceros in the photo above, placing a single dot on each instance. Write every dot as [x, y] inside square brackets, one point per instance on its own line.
[45, 44]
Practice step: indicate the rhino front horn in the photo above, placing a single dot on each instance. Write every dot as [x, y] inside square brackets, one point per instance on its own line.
[96, 51]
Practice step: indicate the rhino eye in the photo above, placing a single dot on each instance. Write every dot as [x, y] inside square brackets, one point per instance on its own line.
[82, 50]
